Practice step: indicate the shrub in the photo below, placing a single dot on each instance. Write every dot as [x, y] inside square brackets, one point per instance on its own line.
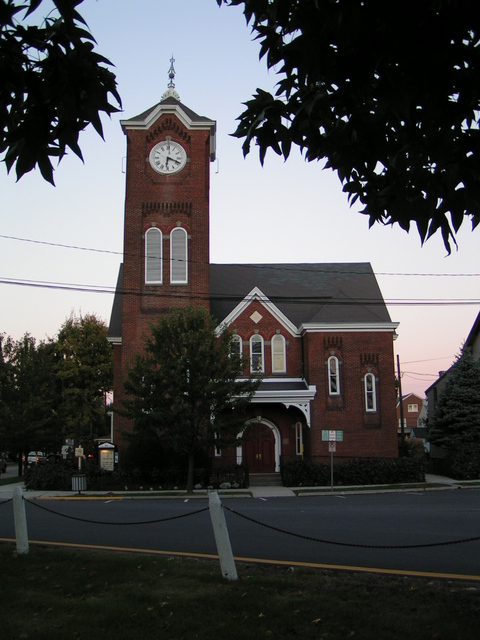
[463, 464]
[360, 471]
[42, 477]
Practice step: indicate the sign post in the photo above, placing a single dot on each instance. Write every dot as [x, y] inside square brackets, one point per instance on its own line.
[332, 436]
[79, 455]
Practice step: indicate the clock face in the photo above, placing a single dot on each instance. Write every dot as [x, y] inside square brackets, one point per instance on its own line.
[168, 157]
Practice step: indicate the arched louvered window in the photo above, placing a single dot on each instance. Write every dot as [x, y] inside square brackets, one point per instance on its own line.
[370, 392]
[279, 364]
[333, 376]
[178, 256]
[256, 354]
[153, 256]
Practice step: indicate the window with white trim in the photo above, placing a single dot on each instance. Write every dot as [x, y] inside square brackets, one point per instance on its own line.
[279, 364]
[413, 408]
[333, 376]
[179, 256]
[153, 256]
[256, 354]
[298, 439]
[370, 392]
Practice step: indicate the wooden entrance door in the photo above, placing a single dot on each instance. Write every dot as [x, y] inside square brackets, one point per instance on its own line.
[259, 449]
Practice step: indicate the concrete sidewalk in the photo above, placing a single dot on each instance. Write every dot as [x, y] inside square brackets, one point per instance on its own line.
[266, 492]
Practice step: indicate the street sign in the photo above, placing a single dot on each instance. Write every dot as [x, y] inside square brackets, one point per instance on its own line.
[78, 452]
[332, 446]
[332, 435]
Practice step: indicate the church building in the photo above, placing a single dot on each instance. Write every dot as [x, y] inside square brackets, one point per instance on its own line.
[320, 335]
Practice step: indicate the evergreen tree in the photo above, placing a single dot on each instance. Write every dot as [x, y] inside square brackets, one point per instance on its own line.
[186, 389]
[456, 423]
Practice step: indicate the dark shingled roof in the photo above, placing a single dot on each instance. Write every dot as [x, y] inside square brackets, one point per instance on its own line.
[194, 117]
[115, 326]
[335, 293]
[304, 293]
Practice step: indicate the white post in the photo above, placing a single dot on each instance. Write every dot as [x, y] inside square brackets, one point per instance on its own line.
[20, 519]
[227, 562]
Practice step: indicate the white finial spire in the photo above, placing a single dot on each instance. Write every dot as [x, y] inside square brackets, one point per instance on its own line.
[170, 92]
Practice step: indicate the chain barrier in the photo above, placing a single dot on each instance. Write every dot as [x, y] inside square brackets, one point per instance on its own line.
[63, 515]
[257, 522]
[350, 544]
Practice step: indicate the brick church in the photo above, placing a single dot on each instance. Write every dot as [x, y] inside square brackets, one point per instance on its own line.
[319, 334]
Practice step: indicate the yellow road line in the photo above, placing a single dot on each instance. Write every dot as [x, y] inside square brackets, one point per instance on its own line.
[287, 563]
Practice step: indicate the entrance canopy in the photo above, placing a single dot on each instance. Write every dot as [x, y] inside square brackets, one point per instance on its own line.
[291, 392]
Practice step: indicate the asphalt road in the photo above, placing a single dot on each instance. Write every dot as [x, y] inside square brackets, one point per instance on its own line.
[354, 530]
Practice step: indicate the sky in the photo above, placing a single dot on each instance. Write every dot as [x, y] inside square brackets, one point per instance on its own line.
[60, 247]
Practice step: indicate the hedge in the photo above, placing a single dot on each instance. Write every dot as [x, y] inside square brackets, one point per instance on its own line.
[361, 471]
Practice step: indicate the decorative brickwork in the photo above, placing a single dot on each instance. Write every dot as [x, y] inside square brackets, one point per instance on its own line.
[299, 402]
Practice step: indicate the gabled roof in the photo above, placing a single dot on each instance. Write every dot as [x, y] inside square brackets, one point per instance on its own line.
[410, 395]
[309, 295]
[474, 333]
[170, 104]
[336, 296]
[114, 333]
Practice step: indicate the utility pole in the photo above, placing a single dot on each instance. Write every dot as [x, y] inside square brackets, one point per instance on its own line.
[402, 428]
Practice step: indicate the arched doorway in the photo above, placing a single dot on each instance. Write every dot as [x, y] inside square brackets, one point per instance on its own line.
[260, 448]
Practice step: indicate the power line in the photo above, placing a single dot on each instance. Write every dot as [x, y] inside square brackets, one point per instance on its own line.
[62, 246]
[327, 300]
[266, 266]
[429, 360]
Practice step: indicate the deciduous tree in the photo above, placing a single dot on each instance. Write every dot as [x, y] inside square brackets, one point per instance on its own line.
[53, 84]
[186, 387]
[85, 369]
[29, 396]
[386, 93]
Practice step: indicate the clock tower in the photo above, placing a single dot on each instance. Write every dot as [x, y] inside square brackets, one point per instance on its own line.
[166, 232]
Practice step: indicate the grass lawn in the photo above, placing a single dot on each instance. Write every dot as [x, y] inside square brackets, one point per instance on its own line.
[57, 593]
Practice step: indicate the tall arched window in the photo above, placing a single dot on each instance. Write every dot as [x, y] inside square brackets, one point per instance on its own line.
[236, 344]
[333, 376]
[153, 256]
[178, 256]
[370, 392]
[279, 364]
[256, 354]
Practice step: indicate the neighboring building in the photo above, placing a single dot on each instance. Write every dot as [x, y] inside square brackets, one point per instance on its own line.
[319, 334]
[412, 410]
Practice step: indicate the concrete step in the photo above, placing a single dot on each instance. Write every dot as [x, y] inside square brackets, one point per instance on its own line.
[265, 480]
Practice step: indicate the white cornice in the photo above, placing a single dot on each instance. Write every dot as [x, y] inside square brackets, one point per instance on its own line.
[327, 327]
[175, 109]
[257, 295]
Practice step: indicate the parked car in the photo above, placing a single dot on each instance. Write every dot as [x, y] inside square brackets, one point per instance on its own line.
[36, 457]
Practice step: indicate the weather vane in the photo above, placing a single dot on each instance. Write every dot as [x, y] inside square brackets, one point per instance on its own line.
[170, 92]
[171, 73]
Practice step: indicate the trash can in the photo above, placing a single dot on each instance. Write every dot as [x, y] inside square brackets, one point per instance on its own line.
[79, 482]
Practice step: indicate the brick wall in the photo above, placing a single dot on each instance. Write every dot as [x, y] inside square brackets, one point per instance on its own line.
[163, 201]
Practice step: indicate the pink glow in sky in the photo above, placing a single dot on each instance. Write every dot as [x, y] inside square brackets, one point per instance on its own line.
[434, 297]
